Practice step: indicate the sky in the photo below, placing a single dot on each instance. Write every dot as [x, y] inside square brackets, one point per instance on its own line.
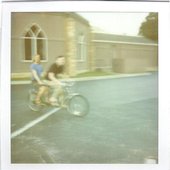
[115, 22]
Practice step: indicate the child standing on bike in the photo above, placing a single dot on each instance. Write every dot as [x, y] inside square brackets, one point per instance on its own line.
[37, 71]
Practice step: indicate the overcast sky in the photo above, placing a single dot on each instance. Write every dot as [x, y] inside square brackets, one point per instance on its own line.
[116, 23]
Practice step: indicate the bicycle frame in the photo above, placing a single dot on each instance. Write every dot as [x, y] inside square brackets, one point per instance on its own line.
[67, 93]
[75, 103]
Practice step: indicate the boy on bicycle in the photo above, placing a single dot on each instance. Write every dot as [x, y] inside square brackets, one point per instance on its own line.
[52, 78]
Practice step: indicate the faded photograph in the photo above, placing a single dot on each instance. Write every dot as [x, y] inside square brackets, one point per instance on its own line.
[84, 0]
[84, 88]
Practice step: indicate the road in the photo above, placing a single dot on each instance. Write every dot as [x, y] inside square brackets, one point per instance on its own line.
[121, 127]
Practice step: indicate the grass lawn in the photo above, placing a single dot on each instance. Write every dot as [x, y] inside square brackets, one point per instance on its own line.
[93, 74]
[80, 75]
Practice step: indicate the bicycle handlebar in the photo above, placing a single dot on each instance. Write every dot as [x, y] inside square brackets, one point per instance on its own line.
[64, 83]
[67, 83]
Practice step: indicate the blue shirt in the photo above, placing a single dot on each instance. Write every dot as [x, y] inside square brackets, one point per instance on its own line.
[38, 68]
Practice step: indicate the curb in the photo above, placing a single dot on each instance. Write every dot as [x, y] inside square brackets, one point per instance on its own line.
[90, 78]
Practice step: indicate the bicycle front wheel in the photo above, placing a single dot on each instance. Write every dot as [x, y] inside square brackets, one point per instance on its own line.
[78, 105]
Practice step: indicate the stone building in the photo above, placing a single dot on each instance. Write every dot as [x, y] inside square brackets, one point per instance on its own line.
[51, 34]
[124, 54]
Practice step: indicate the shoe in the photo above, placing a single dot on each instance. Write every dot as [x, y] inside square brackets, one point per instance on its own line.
[54, 104]
[38, 103]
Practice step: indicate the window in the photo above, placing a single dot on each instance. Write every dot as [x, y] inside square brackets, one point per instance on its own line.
[81, 51]
[35, 42]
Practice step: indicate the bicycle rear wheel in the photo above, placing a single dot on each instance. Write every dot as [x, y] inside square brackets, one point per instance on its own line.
[31, 102]
[78, 105]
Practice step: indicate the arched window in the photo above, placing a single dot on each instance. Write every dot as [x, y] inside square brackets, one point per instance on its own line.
[81, 50]
[35, 42]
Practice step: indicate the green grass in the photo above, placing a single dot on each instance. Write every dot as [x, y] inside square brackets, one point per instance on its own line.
[93, 74]
[21, 79]
[80, 75]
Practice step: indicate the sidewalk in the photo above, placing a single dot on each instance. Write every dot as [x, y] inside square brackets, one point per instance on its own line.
[90, 78]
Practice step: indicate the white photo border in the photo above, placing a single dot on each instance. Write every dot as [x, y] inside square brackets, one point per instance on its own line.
[163, 9]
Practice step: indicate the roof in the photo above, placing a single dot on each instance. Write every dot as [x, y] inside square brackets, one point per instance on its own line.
[113, 38]
[71, 14]
[78, 17]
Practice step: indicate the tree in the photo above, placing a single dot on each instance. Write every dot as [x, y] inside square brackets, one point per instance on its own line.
[149, 28]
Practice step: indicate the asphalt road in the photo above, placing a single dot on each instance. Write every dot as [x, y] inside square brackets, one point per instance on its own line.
[121, 127]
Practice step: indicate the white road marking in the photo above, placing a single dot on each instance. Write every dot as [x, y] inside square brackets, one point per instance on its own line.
[33, 123]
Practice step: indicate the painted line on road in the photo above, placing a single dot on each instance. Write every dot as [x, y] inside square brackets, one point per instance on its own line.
[33, 123]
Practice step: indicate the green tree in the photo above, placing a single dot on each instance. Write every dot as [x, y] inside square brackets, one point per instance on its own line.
[149, 28]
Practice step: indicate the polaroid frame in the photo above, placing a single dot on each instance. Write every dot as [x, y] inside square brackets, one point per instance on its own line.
[163, 10]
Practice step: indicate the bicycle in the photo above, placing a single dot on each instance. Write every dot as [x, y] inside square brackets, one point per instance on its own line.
[74, 103]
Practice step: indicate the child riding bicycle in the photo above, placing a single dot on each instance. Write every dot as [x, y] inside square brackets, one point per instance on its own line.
[37, 71]
[51, 80]
[57, 93]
